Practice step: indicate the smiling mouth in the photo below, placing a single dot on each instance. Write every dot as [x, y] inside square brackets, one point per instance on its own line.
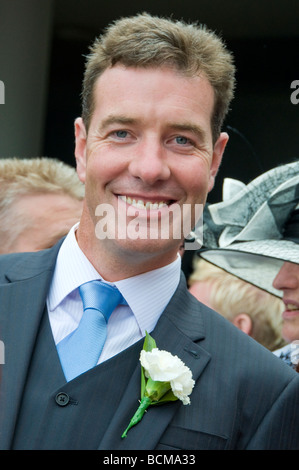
[292, 307]
[145, 205]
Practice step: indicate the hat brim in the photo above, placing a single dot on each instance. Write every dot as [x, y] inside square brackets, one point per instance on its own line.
[256, 262]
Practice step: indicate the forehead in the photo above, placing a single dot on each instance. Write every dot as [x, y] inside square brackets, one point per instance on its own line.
[150, 89]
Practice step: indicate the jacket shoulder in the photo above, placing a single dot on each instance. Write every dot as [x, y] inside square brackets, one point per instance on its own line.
[18, 266]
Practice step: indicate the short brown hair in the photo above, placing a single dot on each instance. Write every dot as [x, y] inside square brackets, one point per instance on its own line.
[149, 41]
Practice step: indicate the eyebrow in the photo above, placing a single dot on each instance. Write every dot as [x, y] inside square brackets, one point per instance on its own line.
[188, 127]
[116, 119]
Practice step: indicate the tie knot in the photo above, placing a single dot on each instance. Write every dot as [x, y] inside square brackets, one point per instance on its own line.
[100, 296]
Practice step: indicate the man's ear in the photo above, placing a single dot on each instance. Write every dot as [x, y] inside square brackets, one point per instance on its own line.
[243, 322]
[217, 157]
[80, 148]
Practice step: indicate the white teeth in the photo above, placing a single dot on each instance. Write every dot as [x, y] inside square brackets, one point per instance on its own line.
[292, 307]
[139, 204]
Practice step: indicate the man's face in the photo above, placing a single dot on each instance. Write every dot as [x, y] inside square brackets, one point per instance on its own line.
[150, 141]
[287, 280]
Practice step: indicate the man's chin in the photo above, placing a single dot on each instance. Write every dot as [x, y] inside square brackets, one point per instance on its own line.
[140, 250]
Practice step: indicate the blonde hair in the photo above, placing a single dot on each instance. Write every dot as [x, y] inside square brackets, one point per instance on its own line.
[20, 177]
[231, 296]
[149, 41]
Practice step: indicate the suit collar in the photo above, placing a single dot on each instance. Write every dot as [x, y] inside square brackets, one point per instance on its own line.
[24, 266]
[186, 313]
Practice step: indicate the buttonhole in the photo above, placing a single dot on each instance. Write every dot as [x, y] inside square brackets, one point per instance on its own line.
[73, 402]
[192, 352]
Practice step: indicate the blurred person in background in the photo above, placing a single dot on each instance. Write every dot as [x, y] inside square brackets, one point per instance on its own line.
[254, 235]
[287, 280]
[252, 310]
[40, 200]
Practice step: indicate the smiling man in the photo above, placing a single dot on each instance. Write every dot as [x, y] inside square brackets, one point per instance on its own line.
[148, 145]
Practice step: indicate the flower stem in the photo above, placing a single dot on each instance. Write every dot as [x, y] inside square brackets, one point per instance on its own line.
[144, 404]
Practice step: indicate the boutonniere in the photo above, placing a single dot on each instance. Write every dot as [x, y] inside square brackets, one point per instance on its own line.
[164, 378]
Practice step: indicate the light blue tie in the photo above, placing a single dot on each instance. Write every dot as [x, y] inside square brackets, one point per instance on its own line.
[81, 349]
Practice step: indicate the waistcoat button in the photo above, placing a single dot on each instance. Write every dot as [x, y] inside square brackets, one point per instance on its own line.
[62, 399]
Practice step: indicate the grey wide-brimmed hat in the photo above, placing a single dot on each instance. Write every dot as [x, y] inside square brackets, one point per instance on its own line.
[256, 226]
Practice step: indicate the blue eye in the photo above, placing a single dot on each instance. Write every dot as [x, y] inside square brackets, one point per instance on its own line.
[121, 134]
[182, 140]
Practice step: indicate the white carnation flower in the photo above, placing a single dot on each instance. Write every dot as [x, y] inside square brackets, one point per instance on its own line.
[162, 366]
[164, 378]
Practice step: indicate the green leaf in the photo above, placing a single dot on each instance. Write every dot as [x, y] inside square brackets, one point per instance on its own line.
[149, 342]
[148, 345]
[143, 382]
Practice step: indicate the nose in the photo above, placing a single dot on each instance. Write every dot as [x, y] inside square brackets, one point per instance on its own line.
[286, 277]
[149, 163]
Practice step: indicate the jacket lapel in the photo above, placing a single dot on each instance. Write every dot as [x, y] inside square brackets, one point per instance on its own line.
[22, 306]
[178, 328]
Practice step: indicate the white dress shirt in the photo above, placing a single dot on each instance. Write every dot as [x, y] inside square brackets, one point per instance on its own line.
[146, 294]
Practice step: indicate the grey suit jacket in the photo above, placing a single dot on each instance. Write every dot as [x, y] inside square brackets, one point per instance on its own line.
[244, 397]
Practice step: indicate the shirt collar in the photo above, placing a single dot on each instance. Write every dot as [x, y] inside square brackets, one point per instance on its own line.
[72, 269]
[147, 294]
